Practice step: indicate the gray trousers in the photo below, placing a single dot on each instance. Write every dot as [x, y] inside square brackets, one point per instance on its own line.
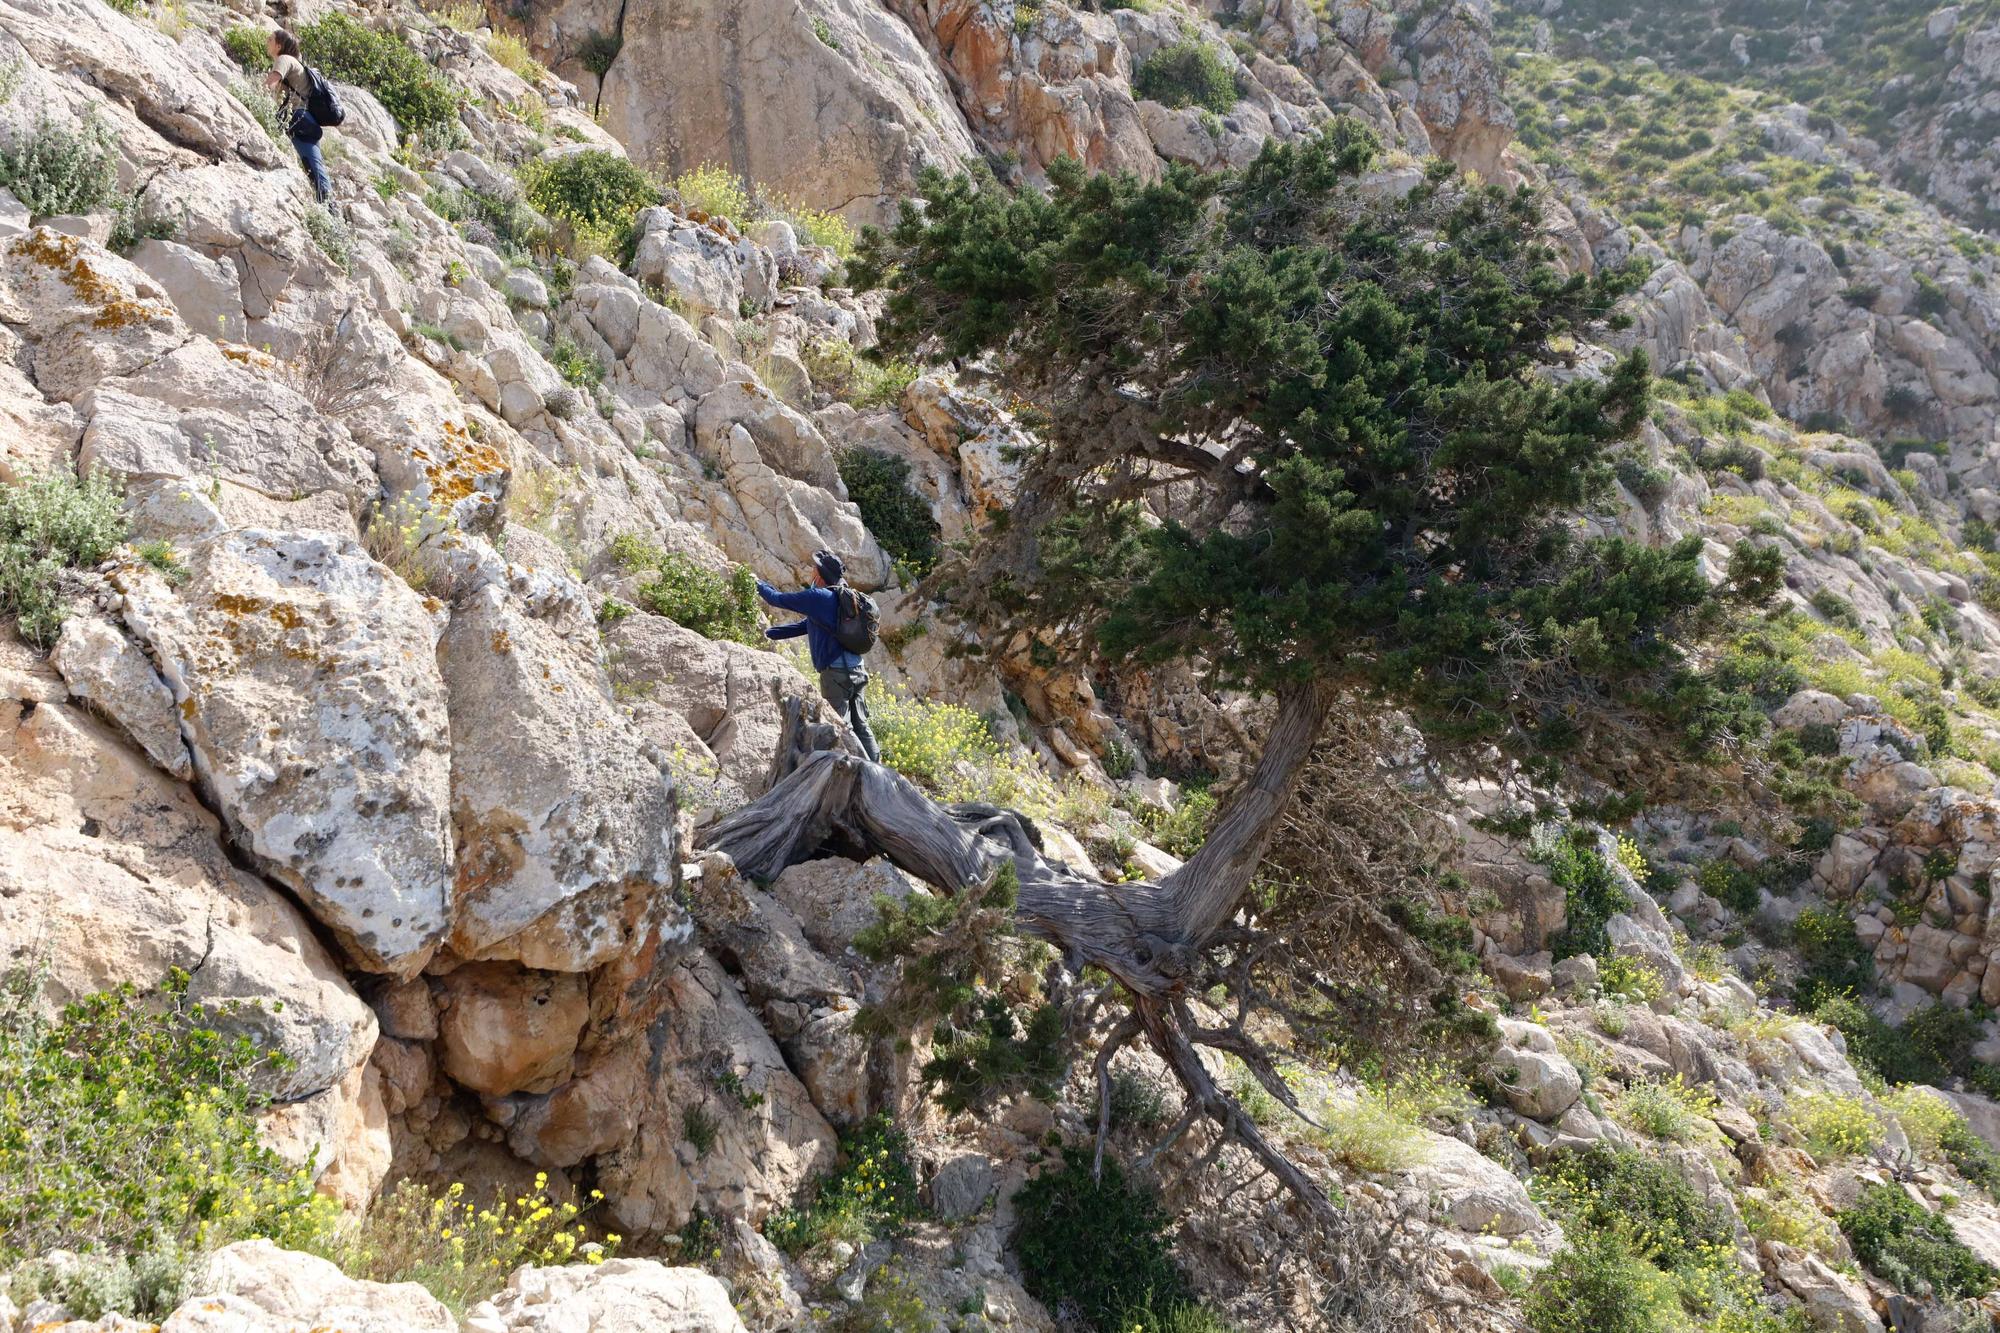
[842, 687]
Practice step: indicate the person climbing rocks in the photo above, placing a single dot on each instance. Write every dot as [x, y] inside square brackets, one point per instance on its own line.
[840, 625]
[308, 106]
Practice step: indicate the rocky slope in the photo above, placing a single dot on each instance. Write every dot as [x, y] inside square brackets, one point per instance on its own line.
[392, 739]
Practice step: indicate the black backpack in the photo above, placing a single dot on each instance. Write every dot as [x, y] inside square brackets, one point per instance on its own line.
[322, 102]
[858, 619]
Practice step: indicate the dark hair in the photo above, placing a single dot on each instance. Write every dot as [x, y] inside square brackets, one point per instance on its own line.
[288, 45]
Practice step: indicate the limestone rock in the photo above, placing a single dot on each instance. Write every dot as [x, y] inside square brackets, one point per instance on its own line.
[567, 847]
[310, 700]
[616, 1296]
[1533, 1076]
[507, 1029]
[103, 667]
[293, 1292]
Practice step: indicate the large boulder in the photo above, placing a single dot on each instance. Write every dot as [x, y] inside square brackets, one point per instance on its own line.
[1532, 1075]
[310, 701]
[112, 873]
[732, 82]
[255, 1287]
[616, 1296]
[567, 846]
[504, 1028]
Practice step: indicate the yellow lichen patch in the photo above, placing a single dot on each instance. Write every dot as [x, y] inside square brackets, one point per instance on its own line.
[502, 642]
[463, 460]
[248, 356]
[64, 254]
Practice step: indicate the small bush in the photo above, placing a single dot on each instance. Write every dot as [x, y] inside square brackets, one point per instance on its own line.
[872, 1195]
[1093, 1247]
[879, 484]
[597, 193]
[514, 54]
[1136, 1101]
[1927, 1119]
[1592, 894]
[1596, 1284]
[1666, 1109]
[861, 380]
[263, 108]
[1630, 979]
[994, 1054]
[421, 99]
[1599, 1189]
[128, 1128]
[53, 170]
[1188, 73]
[461, 1250]
[1836, 962]
[1833, 1126]
[714, 191]
[953, 752]
[49, 525]
[1901, 1242]
[1181, 830]
[576, 366]
[248, 47]
[1370, 1133]
[699, 1127]
[720, 606]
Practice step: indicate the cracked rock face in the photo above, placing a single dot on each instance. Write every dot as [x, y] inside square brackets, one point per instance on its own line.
[311, 702]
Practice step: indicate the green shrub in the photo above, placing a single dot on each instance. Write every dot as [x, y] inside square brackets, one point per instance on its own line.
[1667, 1109]
[1599, 1188]
[720, 606]
[576, 366]
[953, 752]
[1833, 1126]
[1596, 1284]
[1630, 979]
[1184, 1317]
[1872, 1045]
[128, 1131]
[54, 170]
[714, 191]
[872, 1195]
[864, 381]
[263, 108]
[50, 524]
[1836, 962]
[1136, 1100]
[248, 47]
[1181, 830]
[995, 1054]
[1094, 1247]
[879, 484]
[1902, 1243]
[597, 193]
[421, 99]
[1943, 1036]
[1592, 894]
[1188, 73]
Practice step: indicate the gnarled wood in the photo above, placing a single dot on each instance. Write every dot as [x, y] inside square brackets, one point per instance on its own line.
[1149, 937]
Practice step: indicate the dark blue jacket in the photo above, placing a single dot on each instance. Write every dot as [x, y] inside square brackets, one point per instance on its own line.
[821, 610]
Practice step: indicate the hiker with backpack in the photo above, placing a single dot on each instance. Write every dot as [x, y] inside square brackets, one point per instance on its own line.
[309, 107]
[839, 625]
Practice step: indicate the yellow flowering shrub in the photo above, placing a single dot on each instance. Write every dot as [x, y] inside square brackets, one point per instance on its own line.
[128, 1133]
[950, 750]
[1633, 860]
[871, 1196]
[1666, 1108]
[1833, 1126]
[462, 1250]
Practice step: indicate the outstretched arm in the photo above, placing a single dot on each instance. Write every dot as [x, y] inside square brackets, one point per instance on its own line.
[800, 601]
[791, 631]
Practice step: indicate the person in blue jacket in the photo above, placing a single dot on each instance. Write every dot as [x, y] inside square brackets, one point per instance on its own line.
[842, 677]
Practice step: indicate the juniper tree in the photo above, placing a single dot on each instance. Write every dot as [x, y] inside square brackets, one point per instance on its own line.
[1320, 439]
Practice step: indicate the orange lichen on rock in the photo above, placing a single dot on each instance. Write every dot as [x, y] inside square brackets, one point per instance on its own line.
[64, 254]
[462, 463]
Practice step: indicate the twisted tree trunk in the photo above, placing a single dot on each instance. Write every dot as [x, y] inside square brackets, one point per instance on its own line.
[824, 800]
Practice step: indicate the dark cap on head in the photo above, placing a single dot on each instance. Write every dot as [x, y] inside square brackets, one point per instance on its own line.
[829, 566]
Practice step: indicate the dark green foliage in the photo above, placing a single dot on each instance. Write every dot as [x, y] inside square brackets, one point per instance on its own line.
[873, 1194]
[1600, 1189]
[248, 47]
[1093, 1247]
[1405, 477]
[994, 1054]
[1591, 895]
[1836, 962]
[1596, 1284]
[721, 606]
[599, 51]
[1968, 1153]
[1943, 1036]
[1729, 884]
[593, 190]
[1902, 1243]
[1873, 1044]
[879, 484]
[575, 365]
[409, 88]
[1188, 73]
